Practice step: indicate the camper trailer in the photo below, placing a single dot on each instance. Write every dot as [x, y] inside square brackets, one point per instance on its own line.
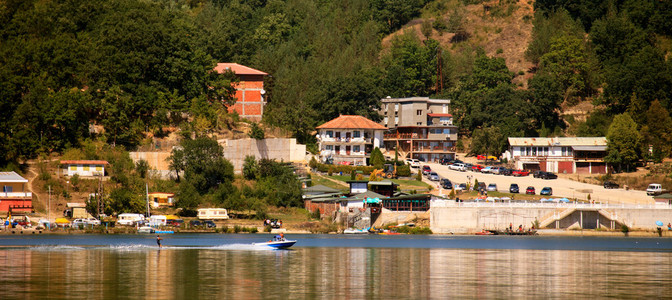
[213, 214]
[129, 219]
[157, 220]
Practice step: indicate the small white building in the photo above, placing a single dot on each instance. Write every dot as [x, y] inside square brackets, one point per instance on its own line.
[349, 139]
[583, 155]
[84, 167]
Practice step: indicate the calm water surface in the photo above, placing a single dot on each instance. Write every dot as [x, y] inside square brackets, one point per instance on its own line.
[215, 266]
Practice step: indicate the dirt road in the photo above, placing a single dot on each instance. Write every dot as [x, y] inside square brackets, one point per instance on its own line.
[561, 187]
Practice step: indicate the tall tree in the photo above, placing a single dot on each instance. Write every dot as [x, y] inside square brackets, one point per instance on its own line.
[624, 143]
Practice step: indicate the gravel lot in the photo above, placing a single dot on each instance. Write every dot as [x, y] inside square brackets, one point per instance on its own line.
[561, 187]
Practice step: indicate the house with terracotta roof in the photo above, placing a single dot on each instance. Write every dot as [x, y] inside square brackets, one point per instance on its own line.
[419, 127]
[349, 140]
[14, 194]
[83, 167]
[249, 90]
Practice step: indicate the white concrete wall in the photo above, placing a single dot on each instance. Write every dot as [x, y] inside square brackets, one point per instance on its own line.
[470, 219]
[280, 149]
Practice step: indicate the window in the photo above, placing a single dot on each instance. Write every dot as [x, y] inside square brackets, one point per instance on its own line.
[534, 151]
[99, 168]
[356, 134]
[355, 149]
[446, 131]
[396, 121]
[545, 151]
[329, 147]
[7, 189]
[396, 106]
[418, 112]
[385, 121]
[73, 168]
[86, 167]
[330, 133]
[419, 123]
[569, 151]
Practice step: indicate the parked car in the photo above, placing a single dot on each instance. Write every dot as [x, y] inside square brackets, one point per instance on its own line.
[654, 189]
[458, 167]
[433, 176]
[513, 188]
[520, 173]
[209, 224]
[426, 169]
[505, 172]
[537, 174]
[446, 184]
[492, 187]
[495, 170]
[487, 169]
[476, 168]
[530, 190]
[460, 187]
[175, 222]
[549, 175]
[481, 186]
[444, 161]
[414, 163]
[92, 222]
[79, 223]
[546, 191]
[195, 223]
[610, 185]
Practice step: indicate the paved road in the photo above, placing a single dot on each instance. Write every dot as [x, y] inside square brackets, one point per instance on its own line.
[561, 187]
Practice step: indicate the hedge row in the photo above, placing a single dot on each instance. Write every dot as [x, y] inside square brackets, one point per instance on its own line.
[403, 170]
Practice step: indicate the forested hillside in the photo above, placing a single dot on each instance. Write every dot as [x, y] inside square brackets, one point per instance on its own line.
[69, 68]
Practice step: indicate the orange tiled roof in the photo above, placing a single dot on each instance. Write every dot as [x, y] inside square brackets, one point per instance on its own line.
[351, 122]
[238, 69]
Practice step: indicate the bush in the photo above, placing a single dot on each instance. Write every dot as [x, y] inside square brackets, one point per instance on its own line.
[419, 176]
[324, 168]
[313, 163]
[625, 229]
[404, 171]
[237, 229]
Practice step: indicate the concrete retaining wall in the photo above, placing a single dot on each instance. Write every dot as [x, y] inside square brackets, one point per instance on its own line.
[280, 149]
[471, 219]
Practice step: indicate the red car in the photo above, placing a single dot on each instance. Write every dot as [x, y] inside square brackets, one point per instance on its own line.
[426, 169]
[520, 173]
[530, 190]
[476, 168]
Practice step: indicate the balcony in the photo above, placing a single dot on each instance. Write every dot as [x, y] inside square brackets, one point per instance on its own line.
[16, 195]
[403, 136]
[338, 140]
[436, 149]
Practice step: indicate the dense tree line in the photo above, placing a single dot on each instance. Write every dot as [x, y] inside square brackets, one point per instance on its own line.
[114, 70]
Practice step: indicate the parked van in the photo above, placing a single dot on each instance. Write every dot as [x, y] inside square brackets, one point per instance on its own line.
[213, 214]
[654, 189]
[127, 219]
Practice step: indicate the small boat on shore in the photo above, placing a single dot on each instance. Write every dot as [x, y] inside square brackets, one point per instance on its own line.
[278, 242]
[146, 229]
[356, 231]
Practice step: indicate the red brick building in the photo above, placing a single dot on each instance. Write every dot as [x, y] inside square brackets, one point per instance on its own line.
[249, 90]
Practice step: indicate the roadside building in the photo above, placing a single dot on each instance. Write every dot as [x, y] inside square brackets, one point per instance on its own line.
[76, 211]
[159, 199]
[250, 91]
[349, 140]
[581, 155]
[15, 194]
[83, 167]
[419, 127]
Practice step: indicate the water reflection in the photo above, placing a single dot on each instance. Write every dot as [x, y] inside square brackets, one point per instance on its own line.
[331, 273]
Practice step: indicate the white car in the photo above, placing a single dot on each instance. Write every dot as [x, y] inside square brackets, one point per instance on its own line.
[458, 167]
[93, 221]
[76, 223]
[414, 163]
[487, 169]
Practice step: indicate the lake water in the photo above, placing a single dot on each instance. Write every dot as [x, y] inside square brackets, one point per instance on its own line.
[225, 266]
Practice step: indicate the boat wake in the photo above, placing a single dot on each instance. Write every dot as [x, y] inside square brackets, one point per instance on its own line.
[57, 248]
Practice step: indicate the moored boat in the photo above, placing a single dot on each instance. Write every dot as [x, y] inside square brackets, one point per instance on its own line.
[146, 229]
[355, 231]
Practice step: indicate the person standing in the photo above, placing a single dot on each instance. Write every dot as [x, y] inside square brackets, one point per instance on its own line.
[158, 240]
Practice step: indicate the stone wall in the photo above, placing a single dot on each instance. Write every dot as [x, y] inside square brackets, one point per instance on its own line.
[280, 149]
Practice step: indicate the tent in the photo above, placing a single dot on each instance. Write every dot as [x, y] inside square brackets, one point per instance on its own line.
[63, 222]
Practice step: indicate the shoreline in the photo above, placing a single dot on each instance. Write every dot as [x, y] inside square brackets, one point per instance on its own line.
[540, 232]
